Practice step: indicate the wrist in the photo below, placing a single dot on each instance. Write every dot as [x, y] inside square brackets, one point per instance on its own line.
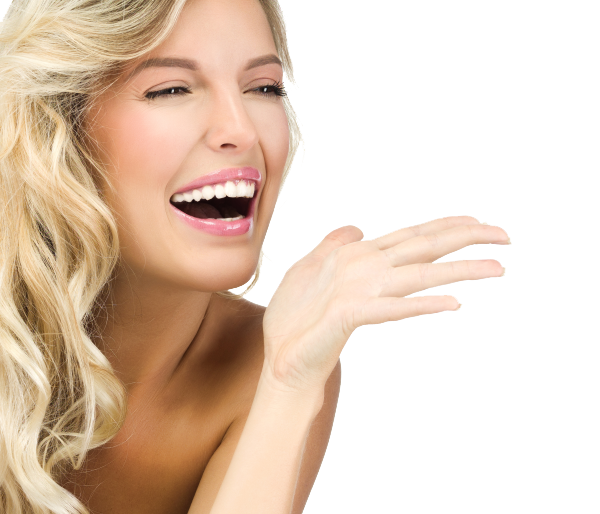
[307, 397]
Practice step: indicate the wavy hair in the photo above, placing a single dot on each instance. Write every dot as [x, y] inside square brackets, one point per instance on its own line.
[59, 247]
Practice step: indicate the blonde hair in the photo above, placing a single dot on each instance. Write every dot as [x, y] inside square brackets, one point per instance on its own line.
[59, 396]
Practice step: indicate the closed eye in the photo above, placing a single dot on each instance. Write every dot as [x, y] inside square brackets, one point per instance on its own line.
[276, 89]
[170, 91]
[269, 90]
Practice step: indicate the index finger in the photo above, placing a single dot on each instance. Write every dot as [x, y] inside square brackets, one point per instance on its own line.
[431, 227]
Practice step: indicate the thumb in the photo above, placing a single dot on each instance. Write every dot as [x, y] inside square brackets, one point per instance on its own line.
[336, 239]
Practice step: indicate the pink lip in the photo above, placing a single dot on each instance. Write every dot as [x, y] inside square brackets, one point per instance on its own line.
[219, 227]
[216, 177]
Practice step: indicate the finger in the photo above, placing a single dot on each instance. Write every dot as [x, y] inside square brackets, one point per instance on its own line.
[430, 247]
[412, 278]
[381, 310]
[339, 237]
[431, 227]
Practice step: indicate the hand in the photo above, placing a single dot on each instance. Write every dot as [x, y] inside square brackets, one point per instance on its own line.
[345, 283]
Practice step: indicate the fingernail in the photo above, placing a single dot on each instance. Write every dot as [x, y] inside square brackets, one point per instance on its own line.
[484, 223]
[459, 305]
[503, 271]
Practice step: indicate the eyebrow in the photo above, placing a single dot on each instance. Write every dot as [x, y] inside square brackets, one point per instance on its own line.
[190, 64]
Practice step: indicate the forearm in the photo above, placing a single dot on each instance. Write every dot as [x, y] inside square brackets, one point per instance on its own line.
[263, 472]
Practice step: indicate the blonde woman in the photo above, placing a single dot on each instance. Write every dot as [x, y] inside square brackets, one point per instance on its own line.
[143, 147]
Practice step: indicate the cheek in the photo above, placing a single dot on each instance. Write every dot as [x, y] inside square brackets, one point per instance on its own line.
[274, 138]
[145, 147]
[143, 151]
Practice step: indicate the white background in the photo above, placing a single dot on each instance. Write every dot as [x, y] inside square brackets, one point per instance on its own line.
[413, 111]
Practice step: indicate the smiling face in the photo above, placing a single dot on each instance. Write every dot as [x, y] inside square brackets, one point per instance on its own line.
[202, 102]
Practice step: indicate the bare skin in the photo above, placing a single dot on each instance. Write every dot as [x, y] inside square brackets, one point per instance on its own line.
[199, 368]
[190, 360]
[156, 461]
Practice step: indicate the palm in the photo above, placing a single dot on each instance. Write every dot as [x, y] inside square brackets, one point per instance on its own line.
[345, 283]
[309, 331]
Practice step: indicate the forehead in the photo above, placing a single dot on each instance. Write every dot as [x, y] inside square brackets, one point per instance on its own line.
[218, 32]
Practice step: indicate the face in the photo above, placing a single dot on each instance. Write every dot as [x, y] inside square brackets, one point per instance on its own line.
[168, 123]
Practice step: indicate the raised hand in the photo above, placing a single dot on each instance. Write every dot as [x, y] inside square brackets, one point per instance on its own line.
[345, 283]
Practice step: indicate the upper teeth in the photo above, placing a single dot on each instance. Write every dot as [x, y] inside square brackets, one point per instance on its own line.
[231, 188]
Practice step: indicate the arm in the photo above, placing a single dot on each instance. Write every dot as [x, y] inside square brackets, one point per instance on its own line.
[339, 286]
[300, 466]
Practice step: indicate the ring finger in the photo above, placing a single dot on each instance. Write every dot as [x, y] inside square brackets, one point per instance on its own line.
[406, 280]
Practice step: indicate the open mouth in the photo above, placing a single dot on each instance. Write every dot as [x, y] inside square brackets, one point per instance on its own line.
[227, 202]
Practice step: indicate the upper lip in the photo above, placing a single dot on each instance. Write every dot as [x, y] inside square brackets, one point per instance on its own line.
[223, 175]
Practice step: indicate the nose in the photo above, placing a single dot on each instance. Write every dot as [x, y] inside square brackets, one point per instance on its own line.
[230, 127]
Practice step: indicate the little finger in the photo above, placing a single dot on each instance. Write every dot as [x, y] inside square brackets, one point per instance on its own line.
[381, 310]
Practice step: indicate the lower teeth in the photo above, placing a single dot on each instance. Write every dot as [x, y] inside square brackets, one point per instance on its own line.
[233, 219]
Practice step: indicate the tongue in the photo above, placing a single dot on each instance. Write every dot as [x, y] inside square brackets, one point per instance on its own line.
[202, 210]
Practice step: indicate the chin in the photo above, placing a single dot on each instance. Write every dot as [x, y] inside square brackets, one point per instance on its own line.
[224, 285]
[222, 276]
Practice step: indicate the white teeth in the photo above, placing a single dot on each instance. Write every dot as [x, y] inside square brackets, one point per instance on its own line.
[243, 188]
[220, 191]
[231, 189]
[233, 219]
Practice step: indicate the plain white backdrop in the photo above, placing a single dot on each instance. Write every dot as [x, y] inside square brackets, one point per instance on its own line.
[413, 111]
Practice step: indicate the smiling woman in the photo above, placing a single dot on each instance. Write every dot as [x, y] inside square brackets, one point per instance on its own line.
[143, 146]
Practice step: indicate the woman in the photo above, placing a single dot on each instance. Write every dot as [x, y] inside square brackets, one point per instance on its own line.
[143, 147]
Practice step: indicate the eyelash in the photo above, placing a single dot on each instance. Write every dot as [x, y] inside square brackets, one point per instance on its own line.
[165, 92]
[278, 89]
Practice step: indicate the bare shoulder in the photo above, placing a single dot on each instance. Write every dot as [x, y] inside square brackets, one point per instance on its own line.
[247, 323]
[245, 331]
[243, 349]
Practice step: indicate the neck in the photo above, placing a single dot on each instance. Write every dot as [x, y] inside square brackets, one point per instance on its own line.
[147, 329]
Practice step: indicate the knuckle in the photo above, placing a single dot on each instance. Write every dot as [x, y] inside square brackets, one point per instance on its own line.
[423, 270]
[458, 269]
[432, 239]
[387, 277]
[421, 304]
[472, 231]
[464, 269]
[450, 221]
[416, 230]
[415, 306]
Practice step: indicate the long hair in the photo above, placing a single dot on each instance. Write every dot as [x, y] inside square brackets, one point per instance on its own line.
[59, 247]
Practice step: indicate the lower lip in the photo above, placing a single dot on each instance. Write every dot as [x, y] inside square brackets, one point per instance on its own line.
[218, 227]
